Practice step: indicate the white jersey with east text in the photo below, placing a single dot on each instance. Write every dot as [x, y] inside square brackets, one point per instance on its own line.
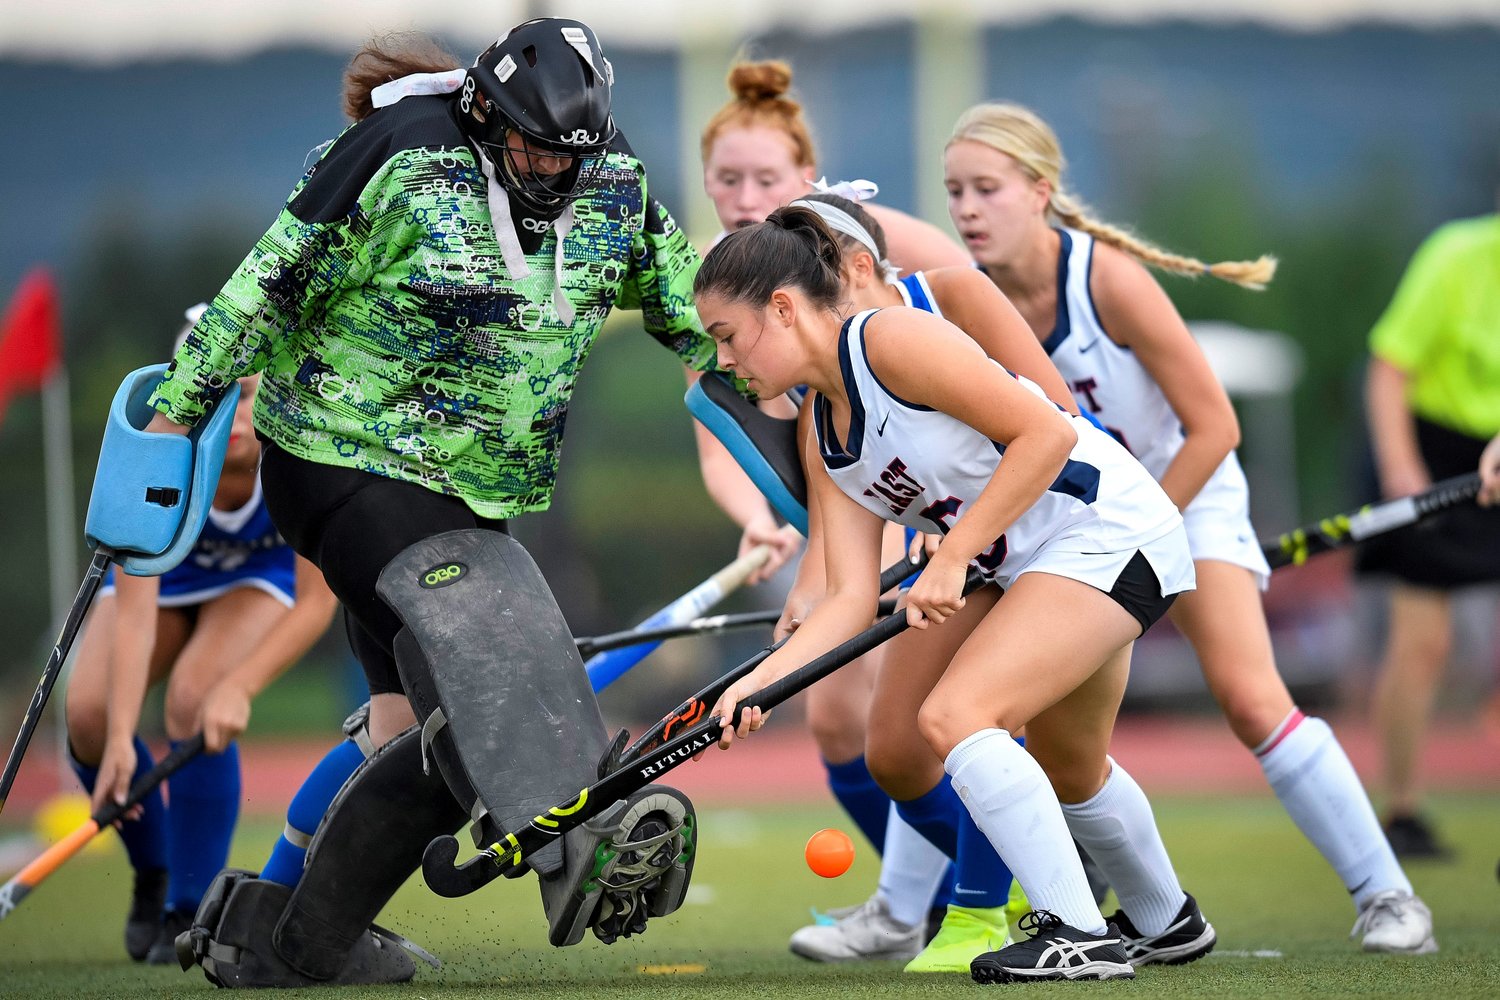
[920, 467]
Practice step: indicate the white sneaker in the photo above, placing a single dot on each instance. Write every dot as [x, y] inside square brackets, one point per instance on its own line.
[867, 932]
[1396, 922]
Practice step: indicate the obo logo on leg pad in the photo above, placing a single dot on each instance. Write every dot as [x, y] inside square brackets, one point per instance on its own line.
[442, 576]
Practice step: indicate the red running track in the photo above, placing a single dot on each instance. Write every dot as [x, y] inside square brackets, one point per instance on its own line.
[1169, 755]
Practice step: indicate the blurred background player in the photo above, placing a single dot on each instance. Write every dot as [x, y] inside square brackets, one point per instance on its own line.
[221, 626]
[1433, 401]
[1127, 355]
[758, 155]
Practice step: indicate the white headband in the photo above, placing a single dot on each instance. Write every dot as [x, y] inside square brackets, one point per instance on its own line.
[841, 221]
[417, 85]
[860, 190]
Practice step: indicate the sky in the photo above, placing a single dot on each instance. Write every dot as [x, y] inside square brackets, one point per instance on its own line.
[111, 31]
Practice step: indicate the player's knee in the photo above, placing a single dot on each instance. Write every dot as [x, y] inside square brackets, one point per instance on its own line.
[944, 724]
[182, 704]
[840, 735]
[87, 720]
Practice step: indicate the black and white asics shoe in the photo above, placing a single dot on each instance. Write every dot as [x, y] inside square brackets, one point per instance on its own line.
[1187, 938]
[1055, 951]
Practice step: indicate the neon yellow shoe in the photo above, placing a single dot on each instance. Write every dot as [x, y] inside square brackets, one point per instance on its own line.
[1016, 905]
[967, 933]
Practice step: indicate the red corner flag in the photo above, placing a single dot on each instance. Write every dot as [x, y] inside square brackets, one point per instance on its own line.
[30, 344]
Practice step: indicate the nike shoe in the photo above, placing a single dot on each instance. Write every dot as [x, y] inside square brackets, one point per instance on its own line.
[1396, 922]
[1055, 951]
[1187, 938]
[869, 932]
[967, 932]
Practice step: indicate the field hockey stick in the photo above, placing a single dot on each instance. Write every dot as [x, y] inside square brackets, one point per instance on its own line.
[93, 578]
[28, 878]
[452, 880]
[691, 710]
[1341, 530]
[707, 625]
[607, 667]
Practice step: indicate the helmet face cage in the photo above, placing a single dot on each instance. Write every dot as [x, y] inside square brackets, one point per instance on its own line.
[543, 93]
[528, 170]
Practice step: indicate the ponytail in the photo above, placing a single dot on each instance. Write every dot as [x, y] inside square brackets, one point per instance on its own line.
[793, 248]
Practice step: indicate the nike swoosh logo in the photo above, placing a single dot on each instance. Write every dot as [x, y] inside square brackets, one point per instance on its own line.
[1091, 345]
[880, 431]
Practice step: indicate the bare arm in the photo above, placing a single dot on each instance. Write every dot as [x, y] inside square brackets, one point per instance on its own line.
[849, 536]
[128, 675]
[974, 304]
[1138, 315]
[1393, 432]
[226, 708]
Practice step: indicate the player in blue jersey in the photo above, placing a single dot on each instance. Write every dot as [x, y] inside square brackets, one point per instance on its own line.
[1110, 329]
[914, 424]
[237, 612]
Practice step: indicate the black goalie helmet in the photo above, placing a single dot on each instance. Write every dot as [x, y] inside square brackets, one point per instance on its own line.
[538, 103]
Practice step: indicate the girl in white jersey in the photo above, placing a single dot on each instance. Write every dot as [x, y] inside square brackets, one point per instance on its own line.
[759, 154]
[1128, 357]
[976, 921]
[915, 425]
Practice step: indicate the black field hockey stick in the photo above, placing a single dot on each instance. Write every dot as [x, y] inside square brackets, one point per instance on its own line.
[692, 710]
[93, 578]
[28, 878]
[509, 852]
[704, 626]
[1342, 530]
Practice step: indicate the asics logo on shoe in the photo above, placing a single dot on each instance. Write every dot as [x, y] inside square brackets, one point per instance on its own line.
[1062, 952]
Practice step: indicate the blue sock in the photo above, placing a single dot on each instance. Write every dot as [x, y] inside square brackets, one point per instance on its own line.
[307, 809]
[205, 801]
[864, 801]
[944, 894]
[145, 838]
[935, 816]
[983, 880]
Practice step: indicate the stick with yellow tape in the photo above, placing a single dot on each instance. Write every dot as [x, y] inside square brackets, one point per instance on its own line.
[1342, 530]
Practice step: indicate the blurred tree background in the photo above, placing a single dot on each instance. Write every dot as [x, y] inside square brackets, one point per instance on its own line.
[1222, 142]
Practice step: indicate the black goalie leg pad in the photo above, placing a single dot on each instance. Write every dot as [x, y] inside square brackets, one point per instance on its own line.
[506, 708]
[231, 939]
[368, 844]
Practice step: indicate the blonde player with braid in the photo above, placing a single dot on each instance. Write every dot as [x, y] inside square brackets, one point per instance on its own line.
[1113, 333]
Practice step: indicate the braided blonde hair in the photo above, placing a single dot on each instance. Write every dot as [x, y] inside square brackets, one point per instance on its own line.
[1023, 136]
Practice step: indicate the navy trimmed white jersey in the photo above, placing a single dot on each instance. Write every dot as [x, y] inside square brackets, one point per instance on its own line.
[917, 466]
[1109, 381]
[237, 548]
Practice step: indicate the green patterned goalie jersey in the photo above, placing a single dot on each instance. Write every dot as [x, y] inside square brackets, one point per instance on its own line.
[394, 339]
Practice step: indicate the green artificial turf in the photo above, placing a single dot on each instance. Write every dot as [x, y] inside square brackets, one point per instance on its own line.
[1282, 919]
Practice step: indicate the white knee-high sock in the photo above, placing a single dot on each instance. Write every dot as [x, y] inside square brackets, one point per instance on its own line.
[1119, 831]
[1319, 789]
[1012, 801]
[911, 869]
